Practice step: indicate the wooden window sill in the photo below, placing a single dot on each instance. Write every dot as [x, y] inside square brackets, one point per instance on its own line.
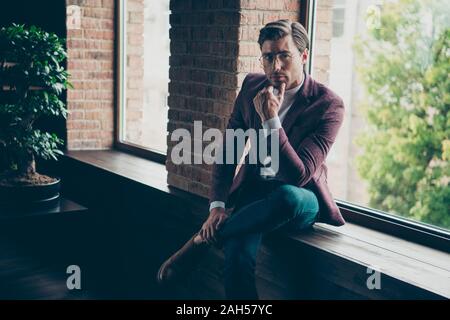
[350, 247]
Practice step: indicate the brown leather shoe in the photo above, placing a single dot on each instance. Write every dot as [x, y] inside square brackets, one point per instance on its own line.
[182, 262]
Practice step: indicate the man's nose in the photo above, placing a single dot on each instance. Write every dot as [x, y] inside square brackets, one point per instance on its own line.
[276, 65]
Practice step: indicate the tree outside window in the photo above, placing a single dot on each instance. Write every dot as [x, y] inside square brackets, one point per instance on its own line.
[391, 66]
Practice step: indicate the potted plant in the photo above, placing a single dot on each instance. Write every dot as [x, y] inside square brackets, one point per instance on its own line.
[31, 83]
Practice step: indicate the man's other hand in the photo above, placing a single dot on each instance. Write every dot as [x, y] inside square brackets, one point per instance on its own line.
[216, 218]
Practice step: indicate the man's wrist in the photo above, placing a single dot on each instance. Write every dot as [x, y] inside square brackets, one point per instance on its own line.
[216, 204]
[271, 124]
[272, 115]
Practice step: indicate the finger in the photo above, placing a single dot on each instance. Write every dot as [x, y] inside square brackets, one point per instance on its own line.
[202, 233]
[282, 90]
[257, 107]
[258, 104]
[261, 95]
[211, 234]
[219, 222]
[270, 89]
[257, 98]
[206, 236]
[270, 94]
[208, 232]
[256, 101]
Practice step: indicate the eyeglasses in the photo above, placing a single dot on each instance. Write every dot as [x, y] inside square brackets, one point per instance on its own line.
[267, 59]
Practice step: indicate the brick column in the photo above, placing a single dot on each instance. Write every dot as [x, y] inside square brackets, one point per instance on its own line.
[90, 47]
[213, 46]
[203, 79]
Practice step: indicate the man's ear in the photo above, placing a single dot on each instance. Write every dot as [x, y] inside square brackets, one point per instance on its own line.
[304, 56]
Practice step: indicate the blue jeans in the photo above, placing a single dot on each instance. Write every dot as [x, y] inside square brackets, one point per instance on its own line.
[261, 208]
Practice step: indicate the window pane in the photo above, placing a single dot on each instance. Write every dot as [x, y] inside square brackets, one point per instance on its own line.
[338, 19]
[145, 61]
[339, 14]
[390, 66]
[338, 29]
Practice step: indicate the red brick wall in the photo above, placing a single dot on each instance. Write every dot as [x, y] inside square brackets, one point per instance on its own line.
[90, 48]
[134, 64]
[254, 15]
[213, 46]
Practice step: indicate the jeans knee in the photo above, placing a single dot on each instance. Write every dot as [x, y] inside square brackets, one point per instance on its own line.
[290, 201]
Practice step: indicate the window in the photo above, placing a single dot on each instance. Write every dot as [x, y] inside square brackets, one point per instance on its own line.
[143, 75]
[338, 18]
[388, 60]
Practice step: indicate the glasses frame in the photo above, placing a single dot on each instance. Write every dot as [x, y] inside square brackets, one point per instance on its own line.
[274, 56]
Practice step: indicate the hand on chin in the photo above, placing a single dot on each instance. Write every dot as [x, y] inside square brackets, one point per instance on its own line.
[276, 82]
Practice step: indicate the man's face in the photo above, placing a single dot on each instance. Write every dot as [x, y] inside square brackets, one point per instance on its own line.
[282, 62]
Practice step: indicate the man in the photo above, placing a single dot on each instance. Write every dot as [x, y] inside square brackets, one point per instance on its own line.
[305, 116]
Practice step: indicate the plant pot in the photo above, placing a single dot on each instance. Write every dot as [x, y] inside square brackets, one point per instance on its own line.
[30, 197]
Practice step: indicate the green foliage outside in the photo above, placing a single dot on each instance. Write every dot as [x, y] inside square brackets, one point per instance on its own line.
[404, 65]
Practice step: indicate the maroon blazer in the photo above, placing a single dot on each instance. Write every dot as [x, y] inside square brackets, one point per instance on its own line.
[308, 132]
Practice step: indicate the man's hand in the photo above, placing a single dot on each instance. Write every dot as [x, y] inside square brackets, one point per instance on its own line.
[216, 218]
[267, 103]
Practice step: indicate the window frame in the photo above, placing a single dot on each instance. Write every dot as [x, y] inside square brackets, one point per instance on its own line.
[415, 231]
[119, 51]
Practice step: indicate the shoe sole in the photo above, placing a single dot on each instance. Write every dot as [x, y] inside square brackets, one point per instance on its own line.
[159, 278]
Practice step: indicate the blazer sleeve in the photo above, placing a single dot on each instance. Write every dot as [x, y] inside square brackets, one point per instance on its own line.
[298, 165]
[223, 174]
